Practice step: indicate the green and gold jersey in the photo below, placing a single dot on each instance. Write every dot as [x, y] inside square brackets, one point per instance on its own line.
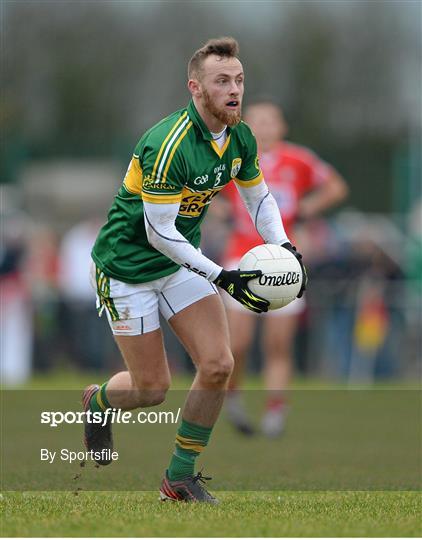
[176, 161]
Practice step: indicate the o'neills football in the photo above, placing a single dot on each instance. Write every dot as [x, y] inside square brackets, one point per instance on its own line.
[281, 274]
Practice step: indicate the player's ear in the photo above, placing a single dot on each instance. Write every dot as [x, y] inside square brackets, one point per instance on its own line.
[194, 87]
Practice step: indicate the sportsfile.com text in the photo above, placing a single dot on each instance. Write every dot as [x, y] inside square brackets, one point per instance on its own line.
[115, 416]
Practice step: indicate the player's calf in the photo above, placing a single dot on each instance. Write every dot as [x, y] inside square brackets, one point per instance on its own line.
[139, 397]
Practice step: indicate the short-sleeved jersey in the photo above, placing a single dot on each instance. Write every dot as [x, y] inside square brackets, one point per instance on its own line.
[290, 171]
[176, 161]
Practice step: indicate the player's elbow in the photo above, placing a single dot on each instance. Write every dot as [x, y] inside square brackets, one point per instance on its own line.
[342, 190]
[152, 236]
[339, 190]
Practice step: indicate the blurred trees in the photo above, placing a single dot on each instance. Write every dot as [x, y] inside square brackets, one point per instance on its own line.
[87, 78]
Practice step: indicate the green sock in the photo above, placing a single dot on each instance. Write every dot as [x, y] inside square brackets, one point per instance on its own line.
[99, 401]
[191, 439]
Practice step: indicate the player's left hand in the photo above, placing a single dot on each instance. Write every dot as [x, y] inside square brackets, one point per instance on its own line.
[235, 282]
[292, 249]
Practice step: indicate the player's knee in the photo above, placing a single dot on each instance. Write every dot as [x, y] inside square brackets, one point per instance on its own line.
[147, 397]
[156, 397]
[218, 369]
[149, 393]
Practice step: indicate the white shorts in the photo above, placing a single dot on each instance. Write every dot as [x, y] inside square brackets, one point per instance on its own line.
[133, 309]
[296, 307]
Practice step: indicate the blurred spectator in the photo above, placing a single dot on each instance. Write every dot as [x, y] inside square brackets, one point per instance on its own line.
[414, 290]
[41, 270]
[415, 249]
[15, 305]
[377, 319]
[357, 304]
[87, 343]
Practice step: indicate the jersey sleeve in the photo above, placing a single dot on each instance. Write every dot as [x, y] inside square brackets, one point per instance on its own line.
[248, 173]
[163, 173]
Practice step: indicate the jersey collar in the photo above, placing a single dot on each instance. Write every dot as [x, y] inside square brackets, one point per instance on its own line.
[199, 123]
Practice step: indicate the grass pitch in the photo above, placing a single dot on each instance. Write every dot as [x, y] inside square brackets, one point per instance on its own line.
[276, 513]
[239, 514]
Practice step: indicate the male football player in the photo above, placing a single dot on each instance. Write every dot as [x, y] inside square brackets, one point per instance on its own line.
[303, 186]
[146, 260]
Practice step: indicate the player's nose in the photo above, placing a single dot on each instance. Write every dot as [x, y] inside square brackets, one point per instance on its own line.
[234, 89]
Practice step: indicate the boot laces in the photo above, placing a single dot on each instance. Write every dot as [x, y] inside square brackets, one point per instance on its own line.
[201, 478]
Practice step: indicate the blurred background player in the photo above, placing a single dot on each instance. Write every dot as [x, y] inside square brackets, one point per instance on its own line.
[304, 187]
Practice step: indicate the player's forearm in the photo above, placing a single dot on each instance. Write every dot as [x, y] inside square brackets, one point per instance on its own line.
[163, 236]
[264, 212]
[328, 195]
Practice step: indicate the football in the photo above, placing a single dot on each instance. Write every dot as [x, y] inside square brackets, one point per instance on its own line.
[281, 274]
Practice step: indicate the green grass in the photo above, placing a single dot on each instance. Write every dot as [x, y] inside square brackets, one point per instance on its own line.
[239, 514]
[334, 442]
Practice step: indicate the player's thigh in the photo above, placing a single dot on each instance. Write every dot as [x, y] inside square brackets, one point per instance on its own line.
[145, 359]
[279, 332]
[182, 289]
[203, 330]
[242, 323]
[133, 316]
[193, 308]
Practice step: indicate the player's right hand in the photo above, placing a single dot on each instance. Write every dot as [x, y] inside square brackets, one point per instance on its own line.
[294, 251]
[235, 282]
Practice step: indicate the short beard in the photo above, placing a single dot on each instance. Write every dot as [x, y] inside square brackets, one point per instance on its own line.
[229, 118]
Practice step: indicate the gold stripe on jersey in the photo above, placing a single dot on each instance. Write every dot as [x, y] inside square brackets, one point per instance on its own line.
[172, 142]
[220, 151]
[173, 129]
[250, 183]
[159, 198]
[133, 179]
[179, 140]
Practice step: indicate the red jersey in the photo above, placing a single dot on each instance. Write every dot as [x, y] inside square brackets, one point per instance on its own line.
[290, 172]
